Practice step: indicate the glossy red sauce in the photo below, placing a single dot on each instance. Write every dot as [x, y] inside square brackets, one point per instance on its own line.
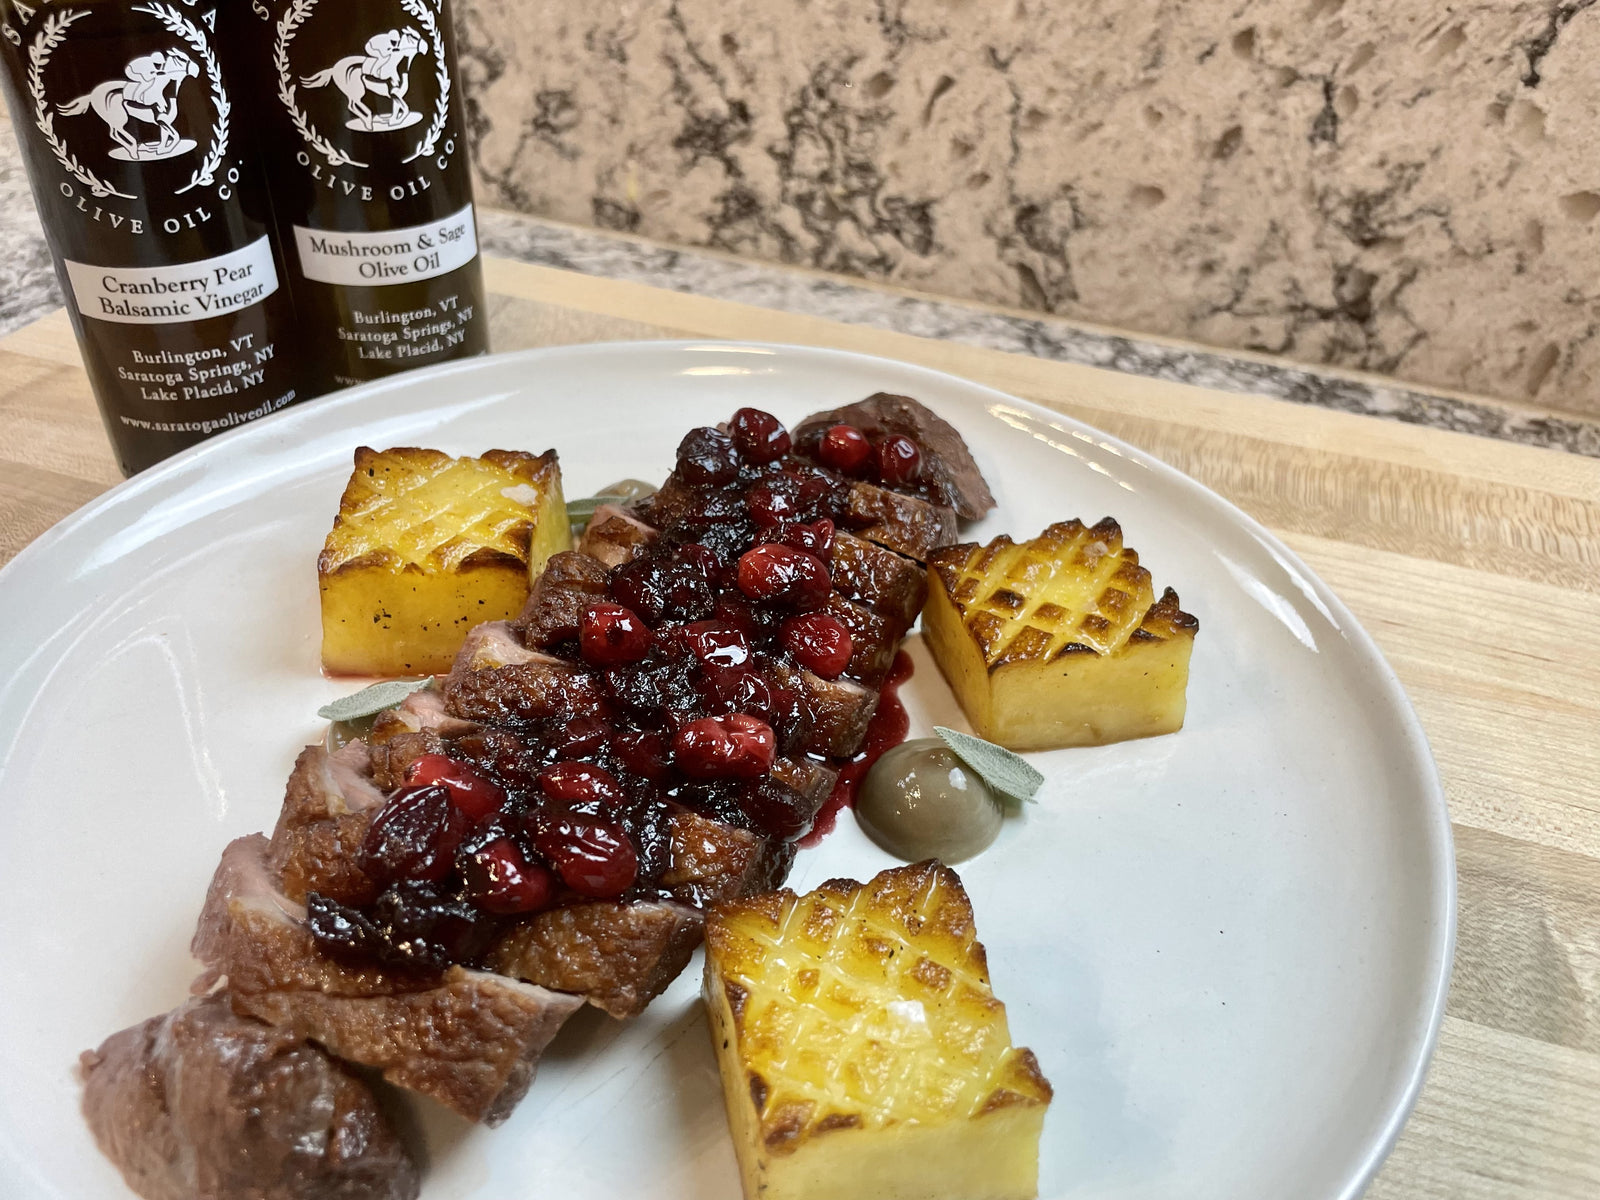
[888, 727]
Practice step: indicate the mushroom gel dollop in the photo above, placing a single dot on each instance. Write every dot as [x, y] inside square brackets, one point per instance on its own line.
[920, 801]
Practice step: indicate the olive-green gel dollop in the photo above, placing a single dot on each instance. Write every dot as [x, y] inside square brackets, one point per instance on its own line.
[919, 801]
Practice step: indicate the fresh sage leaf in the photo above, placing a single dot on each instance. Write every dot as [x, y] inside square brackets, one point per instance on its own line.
[581, 512]
[624, 491]
[1007, 773]
[371, 700]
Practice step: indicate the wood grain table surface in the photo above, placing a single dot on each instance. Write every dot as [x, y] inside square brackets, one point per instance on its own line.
[1474, 563]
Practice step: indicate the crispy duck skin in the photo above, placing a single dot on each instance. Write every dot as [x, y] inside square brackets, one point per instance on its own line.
[328, 805]
[469, 1039]
[571, 580]
[201, 1102]
[617, 956]
[496, 679]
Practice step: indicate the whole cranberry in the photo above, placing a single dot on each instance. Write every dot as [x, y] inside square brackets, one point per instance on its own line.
[582, 737]
[845, 448]
[414, 836]
[578, 783]
[716, 645]
[735, 746]
[642, 752]
[773, 501]
[702, 558]
[784, 575]
[759, 436]
[820, 643]
[898, 459]
[706, 457]
[474, 795]
[609, 634]
[501, 880]
[594, 858]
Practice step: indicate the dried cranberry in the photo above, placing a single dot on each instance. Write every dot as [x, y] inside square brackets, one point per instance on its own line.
[579, 783]
[706, 456]
[702, 557]
[735, 746]
[649, 827]
[609, 634]
[582, 737]
[501, 879]
[776, 809]
[716, 645]
[820, 643]
[734, 611]
[898, 459]
[642, 752]
[344, 933]
[743, 690]
[594, 858]
[845, 448]
[414, 836]
[656, 585]
[814, 538]
[759, 436]
[470, 792]
[784, 575]
[425, 927]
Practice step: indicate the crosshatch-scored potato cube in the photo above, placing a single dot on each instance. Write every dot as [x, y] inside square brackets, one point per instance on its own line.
[425, 546]
[863, 1053]
[1058, 641]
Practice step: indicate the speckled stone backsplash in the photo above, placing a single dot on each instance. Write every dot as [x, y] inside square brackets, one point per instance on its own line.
[1403, 186]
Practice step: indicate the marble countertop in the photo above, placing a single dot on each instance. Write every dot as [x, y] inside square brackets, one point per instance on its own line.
[28, 290]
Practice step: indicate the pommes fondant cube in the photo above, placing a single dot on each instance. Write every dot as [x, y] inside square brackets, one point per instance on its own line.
[1058, 641]
[863, 1053]
[425, 546]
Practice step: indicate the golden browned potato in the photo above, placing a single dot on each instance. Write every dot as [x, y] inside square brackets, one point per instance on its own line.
[1058, 641]
[426, 546]
[863, 1053]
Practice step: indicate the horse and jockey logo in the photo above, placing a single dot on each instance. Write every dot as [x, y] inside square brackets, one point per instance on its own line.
[382, 70]
[146, 96]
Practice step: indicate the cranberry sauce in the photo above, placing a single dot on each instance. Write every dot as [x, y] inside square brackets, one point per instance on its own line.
[713, 653]
[888, 729]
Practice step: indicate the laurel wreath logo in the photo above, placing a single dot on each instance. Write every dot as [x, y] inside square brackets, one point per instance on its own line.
[50, 36]
[205, 174]
[289, 24]
[441, 108]
[293, 17]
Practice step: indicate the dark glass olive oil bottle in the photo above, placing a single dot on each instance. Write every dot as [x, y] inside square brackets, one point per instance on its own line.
[156, 215]
[360, 107]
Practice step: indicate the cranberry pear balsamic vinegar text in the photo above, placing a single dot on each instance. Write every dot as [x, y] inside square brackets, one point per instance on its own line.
[361, 113]
[156, 215]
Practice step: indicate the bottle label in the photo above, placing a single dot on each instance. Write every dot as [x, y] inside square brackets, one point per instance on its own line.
[192, 291]
[391, 256]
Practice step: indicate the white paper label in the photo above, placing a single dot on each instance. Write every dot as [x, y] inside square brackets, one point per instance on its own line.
[211, 287]
[393, 256]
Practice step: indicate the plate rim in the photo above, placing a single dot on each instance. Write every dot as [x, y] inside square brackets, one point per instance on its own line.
[1439, 840]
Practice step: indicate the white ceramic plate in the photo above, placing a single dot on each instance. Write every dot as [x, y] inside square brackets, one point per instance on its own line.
[1229, 947]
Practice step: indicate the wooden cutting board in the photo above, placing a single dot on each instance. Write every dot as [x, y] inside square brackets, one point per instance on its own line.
[1475, 563]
